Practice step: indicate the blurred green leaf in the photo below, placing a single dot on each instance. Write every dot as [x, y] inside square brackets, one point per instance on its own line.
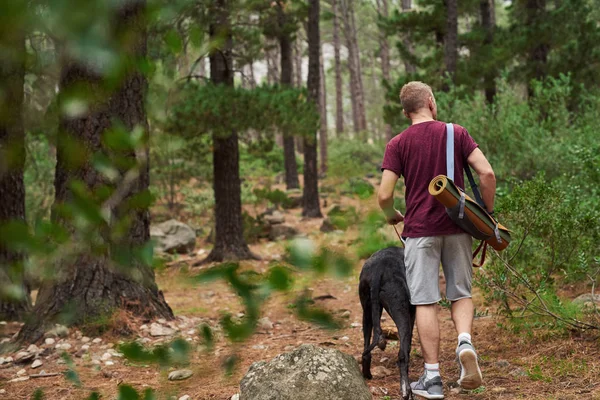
[173, 41]
[126, 392]
[38, 395]
[280, 278]
[207, 336]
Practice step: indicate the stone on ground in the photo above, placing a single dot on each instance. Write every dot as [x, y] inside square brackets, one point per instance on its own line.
[173, 237]
[307, 373]
[180, 375]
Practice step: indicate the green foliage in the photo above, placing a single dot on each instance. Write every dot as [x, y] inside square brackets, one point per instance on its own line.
[343, 218]
[371, 239]
[171, 354]
[353, 158]
[222, 109]
[38, 178]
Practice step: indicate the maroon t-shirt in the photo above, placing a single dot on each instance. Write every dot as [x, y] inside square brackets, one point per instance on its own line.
[419, 154]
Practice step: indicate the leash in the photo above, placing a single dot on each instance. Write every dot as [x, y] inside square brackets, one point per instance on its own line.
[399, 237]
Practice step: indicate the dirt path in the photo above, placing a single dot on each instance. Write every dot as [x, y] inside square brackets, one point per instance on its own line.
[525, 365]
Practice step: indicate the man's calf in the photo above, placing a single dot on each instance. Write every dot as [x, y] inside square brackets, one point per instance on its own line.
[383, 286]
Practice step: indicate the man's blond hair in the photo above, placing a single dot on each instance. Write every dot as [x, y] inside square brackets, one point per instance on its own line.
[414, 96]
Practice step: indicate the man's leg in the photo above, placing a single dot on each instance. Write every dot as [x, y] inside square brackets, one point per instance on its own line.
[422, 258]
[456, 262]
[429, 332]
[462, 315]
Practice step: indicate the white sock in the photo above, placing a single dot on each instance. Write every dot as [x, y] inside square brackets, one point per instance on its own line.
[432, 370]
[464, 337]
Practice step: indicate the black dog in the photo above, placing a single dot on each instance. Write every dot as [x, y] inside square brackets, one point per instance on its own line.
[383, 286]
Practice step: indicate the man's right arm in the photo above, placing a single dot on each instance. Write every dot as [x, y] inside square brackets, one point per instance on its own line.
[487, 178]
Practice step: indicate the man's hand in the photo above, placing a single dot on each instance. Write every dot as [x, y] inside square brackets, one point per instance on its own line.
[394, 218]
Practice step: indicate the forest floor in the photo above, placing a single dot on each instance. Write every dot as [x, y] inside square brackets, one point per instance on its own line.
[537, 364]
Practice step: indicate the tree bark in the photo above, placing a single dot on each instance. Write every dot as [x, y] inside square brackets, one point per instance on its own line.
[409, 67]
[298, 62]
[285, 49]
[323, 112]
[488, 25]
[357, 94]
[12, 162]
[539, 49]
[382, 8]
[339, 105]
[229, 230]
[451, 38]
[91, 285]
[311, 207]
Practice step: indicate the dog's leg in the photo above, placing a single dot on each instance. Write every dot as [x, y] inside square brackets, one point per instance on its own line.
[367, 326]
[378, 338]
[402, 319]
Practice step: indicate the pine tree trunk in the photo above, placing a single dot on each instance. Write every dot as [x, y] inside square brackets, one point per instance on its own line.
[91, 285]
[356, 92]
[488, 24]
[285, 49]
[323, 112]
[311, 207]
[382, 8]
[339, 105]
[538, 52]
[298, 62]
[409, 67]
[229, 229]
[451, 38]
[12, 162]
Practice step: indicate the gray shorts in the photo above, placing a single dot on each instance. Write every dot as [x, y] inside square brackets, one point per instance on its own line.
[423, 257]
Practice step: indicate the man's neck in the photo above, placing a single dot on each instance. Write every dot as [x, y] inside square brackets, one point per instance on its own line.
[419, 117]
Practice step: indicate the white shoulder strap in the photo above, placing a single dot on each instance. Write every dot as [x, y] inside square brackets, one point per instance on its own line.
[450, 151]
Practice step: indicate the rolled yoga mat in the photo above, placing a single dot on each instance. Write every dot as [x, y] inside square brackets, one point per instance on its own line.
[446, 192]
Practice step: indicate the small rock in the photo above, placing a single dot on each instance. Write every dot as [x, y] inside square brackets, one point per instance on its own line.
[33, 348]
[355, 325]
[587, 297]
[281, 231]
[381, 371]
[345, 314]
[85, 347]
[36, 364]
[106, 356]
[265, 324]
[20, 379]
[159, 330]
[2, 391]
[259, 347]
[2, 360]
[275, 218]
[180, 375]
[144, 327]
[498, 389]
[518, 372]
[60, 361]
[235, 397]
[191, 332]
[345, 338]
[63, 346]
[49, 341]
[185, 397]
[162, 321]
[109, 363]
[502, 364]
[384, 359]
[21, 372]
[85, 339]
[58, 331]
[96, 362]
[97, 340]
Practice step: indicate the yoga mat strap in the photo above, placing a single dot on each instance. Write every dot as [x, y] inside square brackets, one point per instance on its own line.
[450, 151]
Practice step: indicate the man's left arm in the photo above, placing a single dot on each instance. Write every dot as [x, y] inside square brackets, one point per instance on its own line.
[385, 196]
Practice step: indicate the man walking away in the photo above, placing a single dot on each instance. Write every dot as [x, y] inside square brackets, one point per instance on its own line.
[431, 237]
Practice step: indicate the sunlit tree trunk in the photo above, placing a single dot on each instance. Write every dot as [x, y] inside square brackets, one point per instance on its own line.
[311, 207]
[298, 62]
[12, 161]
[356, 92]
[323, 112]
[91, 285]
[339, 101]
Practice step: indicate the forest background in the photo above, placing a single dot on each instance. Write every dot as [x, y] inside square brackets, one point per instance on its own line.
[118, 114]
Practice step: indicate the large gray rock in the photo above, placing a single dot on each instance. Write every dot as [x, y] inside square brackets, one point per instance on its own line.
[281, 231]
[587, 298]
[307, 373]
[173, 237]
